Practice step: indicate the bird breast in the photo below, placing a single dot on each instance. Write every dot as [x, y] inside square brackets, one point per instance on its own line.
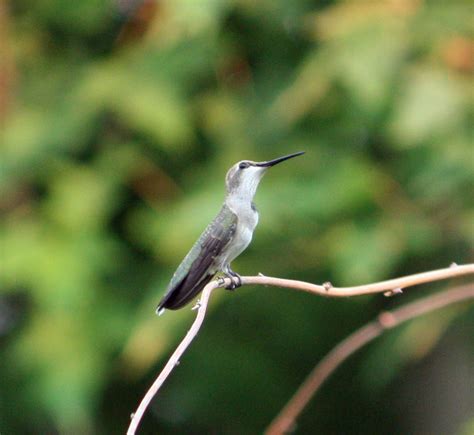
[247, 220]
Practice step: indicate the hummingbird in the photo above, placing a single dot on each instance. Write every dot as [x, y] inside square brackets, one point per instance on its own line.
[225, 238]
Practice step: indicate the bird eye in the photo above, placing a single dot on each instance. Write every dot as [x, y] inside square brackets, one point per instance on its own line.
[243, 165]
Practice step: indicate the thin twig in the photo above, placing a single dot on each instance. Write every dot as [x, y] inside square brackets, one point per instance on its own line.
[174, 359]
[284, 422]
[393, 286]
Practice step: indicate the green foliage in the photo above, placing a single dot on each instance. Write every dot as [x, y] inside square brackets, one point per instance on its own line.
[116, 136]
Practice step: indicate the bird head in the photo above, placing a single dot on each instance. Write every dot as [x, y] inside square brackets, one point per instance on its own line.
[243, 178]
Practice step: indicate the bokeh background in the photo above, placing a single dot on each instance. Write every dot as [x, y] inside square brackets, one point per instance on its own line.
[119, 120]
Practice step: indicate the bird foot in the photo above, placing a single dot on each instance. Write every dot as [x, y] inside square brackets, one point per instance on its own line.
[235, 279]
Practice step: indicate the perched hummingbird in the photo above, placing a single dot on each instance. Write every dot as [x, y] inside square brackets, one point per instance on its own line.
[225, 237]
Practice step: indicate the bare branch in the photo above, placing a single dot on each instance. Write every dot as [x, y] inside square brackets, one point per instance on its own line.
[285, 420]
[174, 360]
[393, 286]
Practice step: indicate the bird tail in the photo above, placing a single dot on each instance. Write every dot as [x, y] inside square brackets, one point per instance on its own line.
[182, 294]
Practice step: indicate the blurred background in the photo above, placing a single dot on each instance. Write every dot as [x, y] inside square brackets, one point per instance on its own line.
[119, 120]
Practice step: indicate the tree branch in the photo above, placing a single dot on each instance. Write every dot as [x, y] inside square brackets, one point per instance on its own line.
[390, 287]
[393, 285]
[284, 422]
[174, 359]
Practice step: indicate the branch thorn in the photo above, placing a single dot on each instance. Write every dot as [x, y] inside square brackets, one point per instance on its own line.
[453, 264]
[395, 291]
[327, 286]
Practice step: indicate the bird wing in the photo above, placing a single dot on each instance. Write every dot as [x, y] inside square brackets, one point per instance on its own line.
[195, 271]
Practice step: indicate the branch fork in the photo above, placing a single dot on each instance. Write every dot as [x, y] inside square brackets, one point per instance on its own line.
[385, 320]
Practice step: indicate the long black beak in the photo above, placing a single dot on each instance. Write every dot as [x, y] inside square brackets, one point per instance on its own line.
[279, 160]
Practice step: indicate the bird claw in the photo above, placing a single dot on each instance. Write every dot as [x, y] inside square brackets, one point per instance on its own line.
[235, 281]
[232, 286]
